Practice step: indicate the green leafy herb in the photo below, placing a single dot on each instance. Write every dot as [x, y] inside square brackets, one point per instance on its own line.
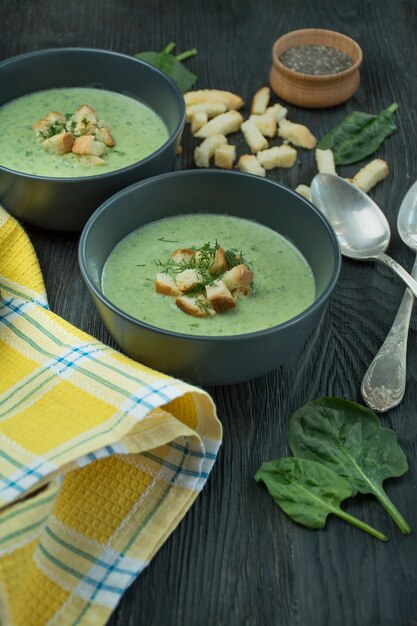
[348, 438]
[359, 135]
[308, 492]
[172, 65]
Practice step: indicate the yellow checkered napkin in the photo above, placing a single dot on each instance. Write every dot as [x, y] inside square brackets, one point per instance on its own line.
[100, 457]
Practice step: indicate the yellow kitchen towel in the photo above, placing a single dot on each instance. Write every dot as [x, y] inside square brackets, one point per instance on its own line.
[100, 457]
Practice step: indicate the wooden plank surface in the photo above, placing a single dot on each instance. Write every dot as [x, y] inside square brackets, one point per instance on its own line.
[236, 559]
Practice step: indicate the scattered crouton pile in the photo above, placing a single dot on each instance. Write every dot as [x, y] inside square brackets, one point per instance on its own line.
[366, 178]
[204, 281]
[213, 115]
[81, 133]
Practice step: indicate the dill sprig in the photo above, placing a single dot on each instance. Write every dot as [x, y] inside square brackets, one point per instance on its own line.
[201, 261]
[174, 267]
[53, 128]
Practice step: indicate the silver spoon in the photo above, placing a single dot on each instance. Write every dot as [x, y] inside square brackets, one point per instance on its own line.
[360, 226]
[383, 385]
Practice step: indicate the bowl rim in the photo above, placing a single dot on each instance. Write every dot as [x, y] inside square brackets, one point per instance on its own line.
[185, 336]
[122, 170]
[316, 78]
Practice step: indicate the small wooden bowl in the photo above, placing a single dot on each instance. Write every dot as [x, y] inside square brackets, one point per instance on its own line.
[312, 91]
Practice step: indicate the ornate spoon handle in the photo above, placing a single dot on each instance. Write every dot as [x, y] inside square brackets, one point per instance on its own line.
[383, 385]
[398, 269]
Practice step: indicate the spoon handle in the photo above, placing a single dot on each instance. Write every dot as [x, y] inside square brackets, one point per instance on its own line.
[398, 269]
[383, 385]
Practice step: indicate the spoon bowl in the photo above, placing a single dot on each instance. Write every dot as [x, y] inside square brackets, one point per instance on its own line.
[407, 218]
[360, 226]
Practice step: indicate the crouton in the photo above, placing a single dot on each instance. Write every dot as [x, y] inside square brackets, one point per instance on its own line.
[90, 160]
[83, 120]
[85, 111]
[277, 111]
[42, 127]
[238, 276]
[278, 156]
[166, 285]
[211, 109]
[223, 124]
[231, 100]
[249, 164]
[86, 144]
[225, 156]
[182, 255]
[219, 263]
[187, 280]
[304, 190]
[253, 136]
[59, 144]
[297, 134]
[204, 152]
[241, 292]
[325, 161]
[197, 307]
[198, 120]
[266, 123]
[103, 134]
[370, 175]
[260, 101]
[220, 297]
[52, 118]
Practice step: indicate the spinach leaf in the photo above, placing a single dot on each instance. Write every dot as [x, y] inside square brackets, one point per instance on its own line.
[348, 438]
[308, 492]
[359, 135]
[172, 65]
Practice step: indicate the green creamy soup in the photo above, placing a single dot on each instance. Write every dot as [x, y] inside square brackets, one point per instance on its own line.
[137, 130]
[283, 282]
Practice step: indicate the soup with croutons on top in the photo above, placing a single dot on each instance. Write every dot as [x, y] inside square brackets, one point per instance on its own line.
[77, 131]
[207, 274]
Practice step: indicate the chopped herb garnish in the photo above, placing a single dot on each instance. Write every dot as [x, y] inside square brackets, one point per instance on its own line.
[165, 267]
[54, 128]
[232, 257]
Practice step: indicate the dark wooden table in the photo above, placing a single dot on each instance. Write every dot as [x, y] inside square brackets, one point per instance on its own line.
[236, 559]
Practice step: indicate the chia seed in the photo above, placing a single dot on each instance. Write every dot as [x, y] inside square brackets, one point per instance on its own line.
[316, 60]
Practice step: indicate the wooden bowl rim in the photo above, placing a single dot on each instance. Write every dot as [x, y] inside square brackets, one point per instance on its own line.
[322, 78]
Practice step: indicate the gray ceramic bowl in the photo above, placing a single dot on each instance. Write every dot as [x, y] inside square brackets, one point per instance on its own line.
[201, 359]
[67, 203]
